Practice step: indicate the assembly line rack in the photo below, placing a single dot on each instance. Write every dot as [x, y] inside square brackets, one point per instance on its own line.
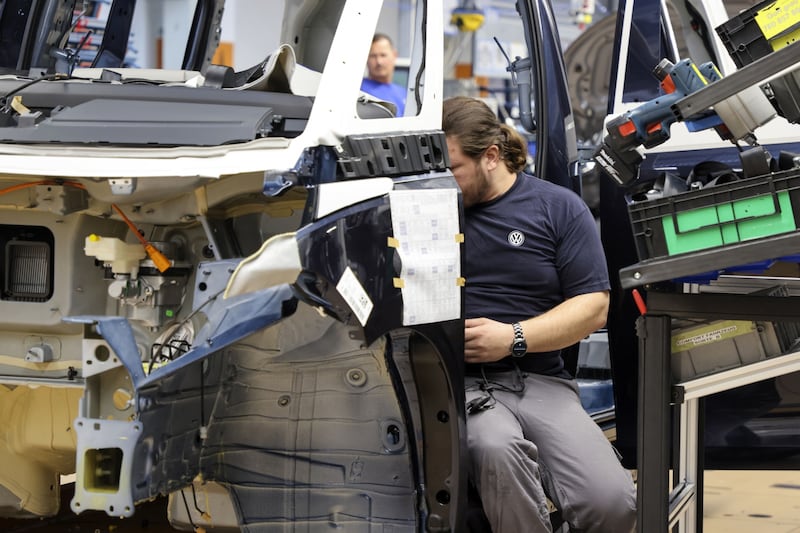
[661, 508]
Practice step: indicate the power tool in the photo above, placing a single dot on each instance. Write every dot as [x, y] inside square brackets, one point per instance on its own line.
[648, 124]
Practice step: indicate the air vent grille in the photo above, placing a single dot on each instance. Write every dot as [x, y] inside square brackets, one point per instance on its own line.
[27, 263]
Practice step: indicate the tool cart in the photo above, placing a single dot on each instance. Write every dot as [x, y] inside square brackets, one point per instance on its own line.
[748, 337]
[713, 317]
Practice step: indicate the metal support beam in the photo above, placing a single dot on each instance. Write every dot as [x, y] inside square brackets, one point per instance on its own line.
[755, 73]
[653, 418]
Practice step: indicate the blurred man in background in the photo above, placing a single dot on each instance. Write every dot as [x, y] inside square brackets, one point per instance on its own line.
[380, 71]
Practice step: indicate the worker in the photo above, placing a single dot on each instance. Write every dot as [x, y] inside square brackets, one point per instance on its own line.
[380, 73]
[536, 282]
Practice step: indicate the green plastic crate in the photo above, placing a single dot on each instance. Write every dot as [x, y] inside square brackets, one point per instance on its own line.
[717, 216]
[729, 223]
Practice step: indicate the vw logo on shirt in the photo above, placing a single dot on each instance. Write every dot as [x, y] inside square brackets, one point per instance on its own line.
[516, 238]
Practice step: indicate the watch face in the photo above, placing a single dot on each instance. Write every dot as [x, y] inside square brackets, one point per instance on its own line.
[519, 348]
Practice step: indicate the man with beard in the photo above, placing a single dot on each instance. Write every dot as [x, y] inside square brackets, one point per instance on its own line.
[536, 282]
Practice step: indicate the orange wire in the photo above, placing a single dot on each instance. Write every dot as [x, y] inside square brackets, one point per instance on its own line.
[131, 225]
[162, 263]
[159, 259]
[77, 185]
[20, 186]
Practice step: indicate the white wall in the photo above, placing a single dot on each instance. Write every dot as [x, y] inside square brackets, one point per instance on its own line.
[254, 28]
[169, 20]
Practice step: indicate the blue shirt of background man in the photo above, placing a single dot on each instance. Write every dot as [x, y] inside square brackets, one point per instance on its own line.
[526, 252]
[390, 92]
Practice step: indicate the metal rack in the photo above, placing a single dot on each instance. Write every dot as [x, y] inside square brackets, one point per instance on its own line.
[662, 507]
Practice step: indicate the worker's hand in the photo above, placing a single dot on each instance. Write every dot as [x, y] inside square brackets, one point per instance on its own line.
[486, 340]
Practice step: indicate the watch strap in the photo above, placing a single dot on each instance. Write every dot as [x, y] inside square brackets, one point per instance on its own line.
[519, 346]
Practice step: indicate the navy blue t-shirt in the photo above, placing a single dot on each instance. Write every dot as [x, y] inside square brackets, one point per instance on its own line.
[526, 252]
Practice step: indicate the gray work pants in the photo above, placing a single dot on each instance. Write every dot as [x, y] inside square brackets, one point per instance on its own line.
[545, 431]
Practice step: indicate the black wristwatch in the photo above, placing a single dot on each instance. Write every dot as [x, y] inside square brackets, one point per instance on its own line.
[518, 347]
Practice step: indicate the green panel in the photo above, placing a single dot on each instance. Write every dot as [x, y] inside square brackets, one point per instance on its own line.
[772, 225]
[728, 223]
[702, 217]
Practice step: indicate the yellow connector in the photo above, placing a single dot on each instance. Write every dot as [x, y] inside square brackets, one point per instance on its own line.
[466, 19]
[158, 259]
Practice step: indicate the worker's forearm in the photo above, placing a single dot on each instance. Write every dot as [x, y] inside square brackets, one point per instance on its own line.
[567, 323]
